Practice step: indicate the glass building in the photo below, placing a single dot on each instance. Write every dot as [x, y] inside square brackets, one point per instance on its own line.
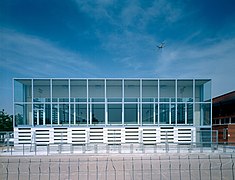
[111, 110]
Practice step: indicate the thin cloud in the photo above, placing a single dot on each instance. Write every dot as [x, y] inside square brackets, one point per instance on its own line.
[22, 53]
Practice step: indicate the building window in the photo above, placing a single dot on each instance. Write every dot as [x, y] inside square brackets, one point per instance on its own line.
[147, 113]
[164, 113]
[114, 113]
[98, 114]
[130, 113]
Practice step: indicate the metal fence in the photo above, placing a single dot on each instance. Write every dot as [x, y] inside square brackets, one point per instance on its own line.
[135, 167]
[53, 149]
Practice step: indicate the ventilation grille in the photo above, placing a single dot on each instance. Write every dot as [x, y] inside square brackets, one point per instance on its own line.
[114, 136]
[149, 136]
[24, 135]
[132, 135]
[79, 136]
[167, 134]
[42, 136]
[60, 135]
[96, 135]
[184, 135]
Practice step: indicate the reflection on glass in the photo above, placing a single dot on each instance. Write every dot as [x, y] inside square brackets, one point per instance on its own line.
[150, 88]
[60, 89]
[167, 90]
[78, 88]
[202, 90]
[185, 90]
[23, 90]
[114, 114]
[54, 114]
[64, 114]
[147, 114]
[190, 113]
[23, 114]
[164, 113]
[41, 90]
[132, 88]
[114, 88]
[131, 113]
[98, 114]
[96, 88]
[173, 115]
[81, 113]
[181, 113]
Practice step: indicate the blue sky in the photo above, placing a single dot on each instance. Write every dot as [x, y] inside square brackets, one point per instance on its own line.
[115, 38]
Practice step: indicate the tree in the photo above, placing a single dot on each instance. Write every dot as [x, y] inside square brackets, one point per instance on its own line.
[6, 121]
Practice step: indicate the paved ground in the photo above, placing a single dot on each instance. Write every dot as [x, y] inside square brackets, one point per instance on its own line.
[119, 167]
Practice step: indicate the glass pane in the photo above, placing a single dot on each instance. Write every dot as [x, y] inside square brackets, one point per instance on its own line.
[78, 88]
[132, 88]
[98, 114]
[206, 114]
[80, 113]
[202, 90]
[190, 113]
[181, 113]
[202, 114]
[156, 114]
[130, 113]
[173, 113]
[96, 88]
[41, 90]
[167, 90]
[48, 114]
[114, 114]
[147, 113]
[64, 113]
[23, 114]
[114, 88]
[164, 113]
[150, 88]
[54, 113]
[184, 90]
[60, 89]
[23, 90]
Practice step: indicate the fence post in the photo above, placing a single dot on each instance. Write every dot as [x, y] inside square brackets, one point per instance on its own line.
[151, 169]
[131, 148]
[35, 146]
[59, 168]
[97, 169]
[49, 169]
[106, 170]
[160, 168]
[133, 174]
[69, 170]
[189, 167]
[19, 170]
[124, 170]
[48, 149]
[87, 169]
[23, 149]
[29, 167]
[78, 168]
[233, 169]
[200, 174]
[115, 173]
[221, 170]
[179, 167]
[142, 168]
[209, 157]
[7, 169]
[107, 148]
[39, 170]
[170, 166]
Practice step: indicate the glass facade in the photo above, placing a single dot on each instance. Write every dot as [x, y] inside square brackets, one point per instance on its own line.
[107, 102]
